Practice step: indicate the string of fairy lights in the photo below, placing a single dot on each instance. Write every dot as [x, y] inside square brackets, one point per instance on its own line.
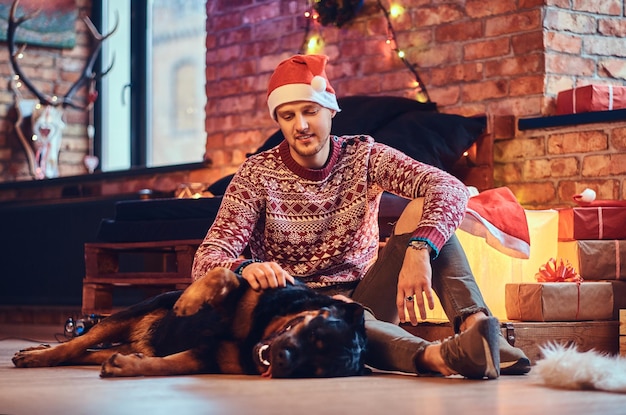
[313, 41]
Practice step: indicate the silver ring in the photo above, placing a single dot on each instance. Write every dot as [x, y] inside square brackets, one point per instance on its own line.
[409, 298]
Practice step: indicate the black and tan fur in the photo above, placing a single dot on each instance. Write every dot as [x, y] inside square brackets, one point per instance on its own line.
[219, 325]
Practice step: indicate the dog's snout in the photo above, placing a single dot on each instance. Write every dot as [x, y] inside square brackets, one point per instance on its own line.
[283, 362]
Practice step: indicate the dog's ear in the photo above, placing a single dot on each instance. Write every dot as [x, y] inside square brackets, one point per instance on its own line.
[353, 313]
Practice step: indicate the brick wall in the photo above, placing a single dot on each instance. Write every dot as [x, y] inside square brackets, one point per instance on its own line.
[507, 59]
[503, 58]
[546, 167]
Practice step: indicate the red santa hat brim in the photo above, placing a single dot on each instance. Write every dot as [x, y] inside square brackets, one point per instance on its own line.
[301, 78]
[497, 216]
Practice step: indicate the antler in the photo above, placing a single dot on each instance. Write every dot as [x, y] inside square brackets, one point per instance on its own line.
[87, 75]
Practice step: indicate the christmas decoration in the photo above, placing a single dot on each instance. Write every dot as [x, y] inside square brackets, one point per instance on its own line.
[562, 271]
[336, 12]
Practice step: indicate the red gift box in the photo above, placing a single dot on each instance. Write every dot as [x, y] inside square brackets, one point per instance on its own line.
[591, 98]
[592, 223]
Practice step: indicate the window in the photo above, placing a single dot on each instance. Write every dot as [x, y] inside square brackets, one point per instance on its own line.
[153, 100]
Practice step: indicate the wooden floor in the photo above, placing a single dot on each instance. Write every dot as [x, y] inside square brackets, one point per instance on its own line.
[79, 390]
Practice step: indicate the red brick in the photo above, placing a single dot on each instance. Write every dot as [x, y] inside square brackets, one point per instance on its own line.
[518, 149]
[612, 68]
[618, 138]
[569, 64]
[526, 85]
[611, 7]
[503, 174]
[577, 142]
[605, 46]
[263, 12]
[566, 21]
[532, 194]
[238, 36]
[445, 96]
[519, 65]
[529, 4]
[503, 126]
[534, 170]
[612, 27]
[526, 106]
[605, 189]
[513, 23]
[604, 165]
[484, 90]
[482, 8]
[436, 15]
[487, 49]
[448, 53]
[461, 31]
[457, 73]
[561, 42]
[527, 43]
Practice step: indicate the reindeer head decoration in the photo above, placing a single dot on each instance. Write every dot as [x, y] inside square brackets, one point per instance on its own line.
[46, 112]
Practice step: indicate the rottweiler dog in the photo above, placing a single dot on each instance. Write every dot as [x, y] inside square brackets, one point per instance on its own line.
[220, 325]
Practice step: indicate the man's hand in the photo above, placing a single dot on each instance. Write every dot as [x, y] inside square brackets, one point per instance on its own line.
[264, 275]
[415, 282]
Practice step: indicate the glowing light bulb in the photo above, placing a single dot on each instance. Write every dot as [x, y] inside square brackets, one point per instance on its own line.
[401, 54]
[396, 10]
[315, 44]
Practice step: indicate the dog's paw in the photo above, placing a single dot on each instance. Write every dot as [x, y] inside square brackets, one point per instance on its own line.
[190, 302]
[32, 357]
[211, 289]
[119, 365]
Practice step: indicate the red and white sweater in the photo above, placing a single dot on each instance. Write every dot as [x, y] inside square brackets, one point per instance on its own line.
[321, 225]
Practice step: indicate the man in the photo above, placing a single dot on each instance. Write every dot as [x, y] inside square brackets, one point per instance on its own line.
[308, 209]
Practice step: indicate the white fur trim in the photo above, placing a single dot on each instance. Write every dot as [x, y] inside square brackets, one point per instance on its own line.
[566, 367]
[300, 92]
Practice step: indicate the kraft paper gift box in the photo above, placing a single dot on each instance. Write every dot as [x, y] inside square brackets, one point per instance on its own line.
[559, 301]
[592, 223]
[596, 260]
[591, 98]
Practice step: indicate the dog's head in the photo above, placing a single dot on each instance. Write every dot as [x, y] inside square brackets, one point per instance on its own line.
[327, 342]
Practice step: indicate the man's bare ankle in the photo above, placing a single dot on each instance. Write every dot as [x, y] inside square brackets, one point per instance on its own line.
[472, 319]
[431, 360]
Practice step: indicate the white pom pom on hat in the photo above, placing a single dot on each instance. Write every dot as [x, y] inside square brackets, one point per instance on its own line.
[301, 78]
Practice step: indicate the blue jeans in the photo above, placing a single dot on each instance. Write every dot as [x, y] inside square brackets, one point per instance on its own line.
[390, 347]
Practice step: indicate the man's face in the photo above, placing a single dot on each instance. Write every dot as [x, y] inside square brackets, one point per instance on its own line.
[306, 127]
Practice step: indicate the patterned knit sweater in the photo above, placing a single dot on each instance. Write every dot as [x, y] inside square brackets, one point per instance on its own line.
[321, 225]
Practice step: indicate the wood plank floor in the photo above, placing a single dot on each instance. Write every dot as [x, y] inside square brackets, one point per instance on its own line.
[79, 390]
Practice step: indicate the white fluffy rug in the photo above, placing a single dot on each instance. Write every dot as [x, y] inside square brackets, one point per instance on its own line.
[566, 367]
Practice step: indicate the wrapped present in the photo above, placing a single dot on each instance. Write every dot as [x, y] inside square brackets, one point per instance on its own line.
[592, 222]
[591, 98]
[596, 260]
[559, 301]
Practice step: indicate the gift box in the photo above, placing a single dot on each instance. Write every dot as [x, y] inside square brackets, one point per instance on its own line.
[596, 260]
[591, 98]
[559, 301]
[597, 222]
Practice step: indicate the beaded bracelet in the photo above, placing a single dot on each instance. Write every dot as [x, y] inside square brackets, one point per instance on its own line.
[244, 264]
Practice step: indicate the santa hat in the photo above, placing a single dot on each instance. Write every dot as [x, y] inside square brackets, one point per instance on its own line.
[301, 78]
[497, 216]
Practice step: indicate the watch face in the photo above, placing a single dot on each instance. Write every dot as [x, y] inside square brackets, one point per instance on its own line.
[419, 245]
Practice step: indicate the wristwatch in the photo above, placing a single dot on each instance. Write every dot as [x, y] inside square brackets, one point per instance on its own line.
[419, 245]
